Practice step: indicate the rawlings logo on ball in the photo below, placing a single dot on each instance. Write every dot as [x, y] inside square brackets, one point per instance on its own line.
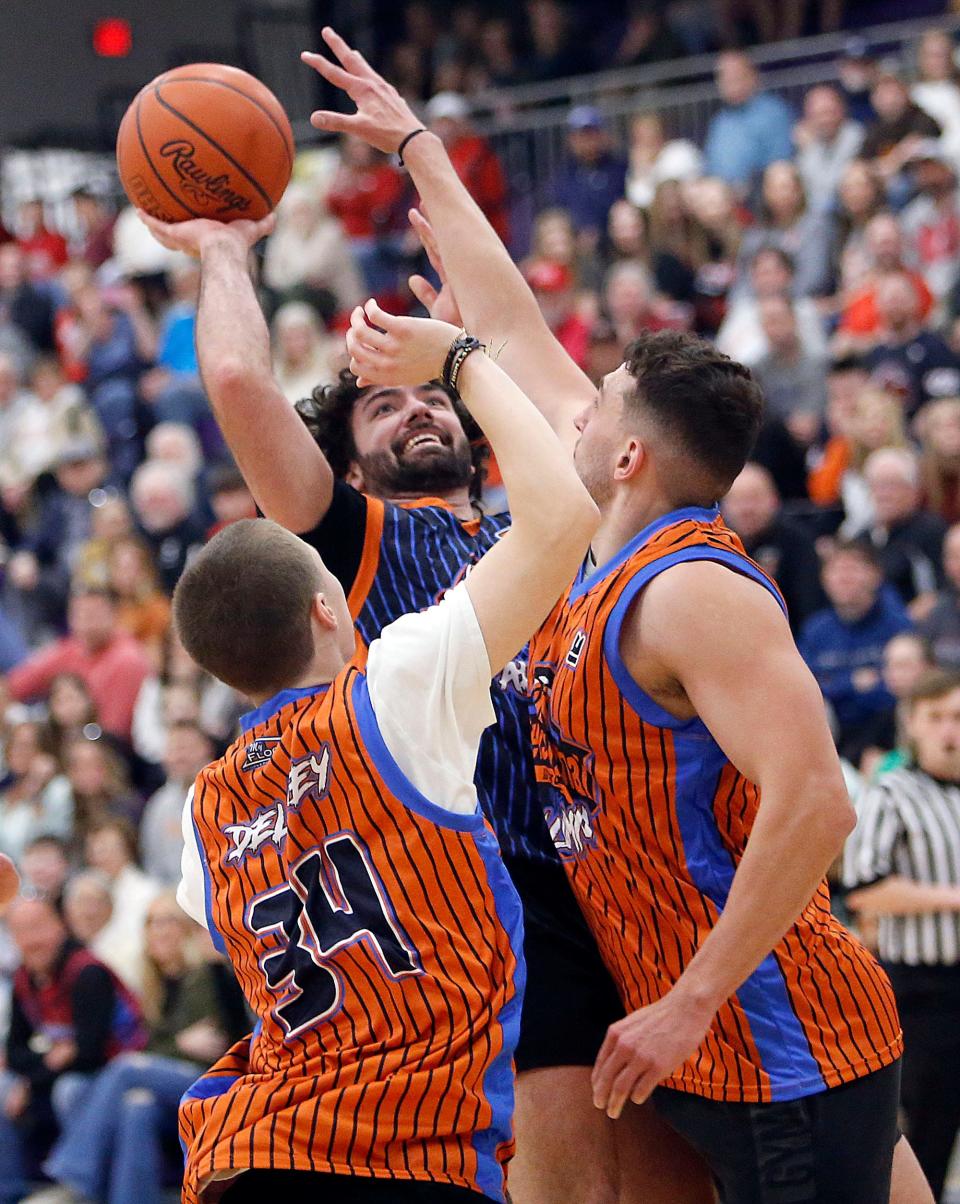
[200, 184]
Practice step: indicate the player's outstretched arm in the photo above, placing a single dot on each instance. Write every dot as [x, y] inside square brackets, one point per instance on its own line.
[517, 582]
[763, 707]
[493, 296]
[285, 470]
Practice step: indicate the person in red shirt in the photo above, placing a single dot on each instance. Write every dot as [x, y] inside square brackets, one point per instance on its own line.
[111, 663]
[367, 195]
[552, 285]
[44, 250]
[473, 158]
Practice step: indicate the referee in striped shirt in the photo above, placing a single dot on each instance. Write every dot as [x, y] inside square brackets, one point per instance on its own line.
[903, 861]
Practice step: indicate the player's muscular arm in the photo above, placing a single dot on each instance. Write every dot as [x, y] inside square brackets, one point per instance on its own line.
[285, 470]
[493, 296]
[517, 582]
[724, 641]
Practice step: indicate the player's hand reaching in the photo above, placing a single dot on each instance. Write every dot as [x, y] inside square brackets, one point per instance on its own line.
[644, 1048]
[383, 118]
[443, 304]
[194, 236]
[387, 350]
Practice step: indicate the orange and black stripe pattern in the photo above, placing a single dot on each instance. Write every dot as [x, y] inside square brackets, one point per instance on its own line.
[377, 937]
[651, 821]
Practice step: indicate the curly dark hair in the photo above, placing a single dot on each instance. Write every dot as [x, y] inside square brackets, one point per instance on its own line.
[327, 411]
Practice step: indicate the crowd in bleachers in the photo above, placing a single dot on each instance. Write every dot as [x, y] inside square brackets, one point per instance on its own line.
[821, 247]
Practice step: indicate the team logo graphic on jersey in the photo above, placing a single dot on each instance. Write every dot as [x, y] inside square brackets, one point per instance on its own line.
[571, 825]
[576, 649]
[260, 752]
[308, 779]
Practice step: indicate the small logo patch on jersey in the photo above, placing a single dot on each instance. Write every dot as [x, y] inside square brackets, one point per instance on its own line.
[571, 825]
[576, 649]
[260, 752]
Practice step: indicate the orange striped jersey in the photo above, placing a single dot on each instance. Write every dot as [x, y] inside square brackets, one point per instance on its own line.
[377, 938]
[651, 820]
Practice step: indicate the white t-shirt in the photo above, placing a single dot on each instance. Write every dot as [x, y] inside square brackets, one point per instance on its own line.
[428, 676]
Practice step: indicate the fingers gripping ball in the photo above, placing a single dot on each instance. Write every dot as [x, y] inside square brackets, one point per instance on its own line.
[205, 140]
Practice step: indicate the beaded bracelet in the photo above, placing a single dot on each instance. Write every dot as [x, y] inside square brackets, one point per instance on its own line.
[461, 347]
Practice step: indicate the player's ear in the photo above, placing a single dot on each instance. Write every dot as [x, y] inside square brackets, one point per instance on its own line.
[354, 477]
[322, 612]
[629, 461]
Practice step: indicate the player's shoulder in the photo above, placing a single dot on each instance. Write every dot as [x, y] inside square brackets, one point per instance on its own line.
[703, 595]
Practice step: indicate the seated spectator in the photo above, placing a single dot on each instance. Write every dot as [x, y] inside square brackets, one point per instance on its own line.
[751, 130]
[230, 497]
[92, 920]
[143, 609]
[44, 250]
[780, 546]
[96, 224]
[70, 1016]
[902, 864]
[176, 338]
[827, 141]
[786, 222]
[112, 663]
[188, 749]
[631, 304]
[308, 254]
[70, 712]
[938, 426]
[31, 803]
[794, 383]
[304, 355]
[936, 91]
[366, 196]
[552, 285]
[860, 197]
[17, 469]
[644, 35]
[676, 243]
[856, 69]
[711, 202]
[931, 221]
[113, 1146]
[555, 50]
[44, 870]
[889, 139]
[164, 501]
[592, 178]
[111, 847]
[111, 521]
[27, 305]
[907, 539]
[741, 334]
[941, 627]
[60, 416]
[907, 658]
[911, 361]
[860, 319]
[652, 159]
[178, 444]
[98, 782]
[843, 644]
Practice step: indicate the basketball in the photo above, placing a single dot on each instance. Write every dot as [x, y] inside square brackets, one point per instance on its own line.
[205, 140]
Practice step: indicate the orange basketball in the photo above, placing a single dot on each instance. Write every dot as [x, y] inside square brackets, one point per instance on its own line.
[205, 140]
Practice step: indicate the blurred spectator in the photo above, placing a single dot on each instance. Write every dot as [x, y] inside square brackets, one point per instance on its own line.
[27, 305]
[176, 342]
[908, 540]
[941, 627]
[143, 609]
[44, 250]
[304, 355]
[44, 869]
[230, 497]
[111, 848]
[89, 912]
[592, 178]
[555, 50]
[16, 405]
[163, 501]
[366, 196]
[652, 159]
[860, 197]
[99, 784]
[899, 123]
[843, 644]
[787, 223]
[904, 857]
[677, 243]
[780, 546]
[70, 713]
[931, 222]
[711, 202]
[741, 334]
[30, 806]
[827, 141]
[498, 64]
[112, 663]
[631, 304]
[177, 445]
[751, 130]
[111, 520]
[794, 383]
[644, 35]
[96, 224]
[472, 156]
[915, 363]
[938, 425]
[936, 91]
[906, 659]
[70, 1016]
[113, 1147]
[552, 285]
[881, 253]
[309, 254]
[857, 71]
[189, 748]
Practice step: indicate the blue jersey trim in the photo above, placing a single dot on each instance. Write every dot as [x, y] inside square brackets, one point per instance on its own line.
[215, 936]
[498, 1080]
[697, 514]
[207, 1086]
[397, 781]
[266, 710]
[641, 702]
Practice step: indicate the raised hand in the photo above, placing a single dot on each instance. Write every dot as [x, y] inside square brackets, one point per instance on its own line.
[383, 118]
[443, 304]
[191, 237]
[387, 350]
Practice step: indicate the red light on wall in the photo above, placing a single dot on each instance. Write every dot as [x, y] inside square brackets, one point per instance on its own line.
[112, 38]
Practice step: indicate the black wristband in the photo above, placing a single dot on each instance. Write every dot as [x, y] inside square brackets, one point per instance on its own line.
[402, 146]
[461, 347]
